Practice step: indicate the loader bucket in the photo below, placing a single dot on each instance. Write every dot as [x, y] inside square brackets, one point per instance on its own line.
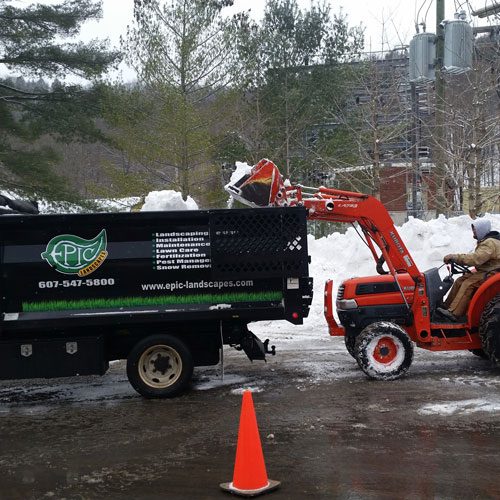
[262, 187]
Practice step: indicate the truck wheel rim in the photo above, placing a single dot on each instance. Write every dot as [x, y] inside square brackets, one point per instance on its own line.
[160, 366]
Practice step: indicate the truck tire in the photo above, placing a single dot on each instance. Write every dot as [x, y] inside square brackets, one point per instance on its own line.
[384, 351]
[160, 366]
[489, 330]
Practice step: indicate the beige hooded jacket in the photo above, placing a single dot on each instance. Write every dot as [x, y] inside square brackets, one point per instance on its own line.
[486, 255]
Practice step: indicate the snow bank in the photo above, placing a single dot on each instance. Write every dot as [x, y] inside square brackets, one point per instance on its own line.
[341, 256]
[241, 170]
[167, 200]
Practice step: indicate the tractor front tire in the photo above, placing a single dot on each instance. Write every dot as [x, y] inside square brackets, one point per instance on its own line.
[489, 330]
[350, 341]
[479, 353]
[384, 351]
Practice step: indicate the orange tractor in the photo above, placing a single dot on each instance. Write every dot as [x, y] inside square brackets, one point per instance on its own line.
[382, 316]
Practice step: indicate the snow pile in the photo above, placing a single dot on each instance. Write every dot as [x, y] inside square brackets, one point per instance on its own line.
[167, 200]
[241, 170]
[342, 256]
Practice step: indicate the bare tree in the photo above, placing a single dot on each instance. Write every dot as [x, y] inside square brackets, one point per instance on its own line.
[473, 134]
[372, 130]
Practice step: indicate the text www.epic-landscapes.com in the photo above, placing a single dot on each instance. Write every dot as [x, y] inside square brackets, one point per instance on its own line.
[191, 285]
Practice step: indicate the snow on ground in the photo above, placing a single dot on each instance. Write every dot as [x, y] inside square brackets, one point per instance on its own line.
[50, 207]
[465, 407]
[118, 204]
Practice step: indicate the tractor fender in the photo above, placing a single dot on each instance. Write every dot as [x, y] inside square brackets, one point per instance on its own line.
[489, 289]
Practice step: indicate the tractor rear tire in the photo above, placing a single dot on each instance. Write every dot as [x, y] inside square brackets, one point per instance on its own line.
[489, 330]
[384, 351]
[479, 353]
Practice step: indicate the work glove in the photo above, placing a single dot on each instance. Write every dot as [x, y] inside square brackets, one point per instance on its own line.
[448, 258]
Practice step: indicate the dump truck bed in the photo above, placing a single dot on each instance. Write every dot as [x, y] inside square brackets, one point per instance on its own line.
[59, 271]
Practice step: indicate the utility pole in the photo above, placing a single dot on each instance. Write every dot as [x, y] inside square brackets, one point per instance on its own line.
[440, 170]
[415, 167]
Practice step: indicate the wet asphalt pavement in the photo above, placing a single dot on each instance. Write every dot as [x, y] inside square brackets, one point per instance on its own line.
[327, 431]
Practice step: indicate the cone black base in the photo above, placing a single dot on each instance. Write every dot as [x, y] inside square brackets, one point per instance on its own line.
[250, 493]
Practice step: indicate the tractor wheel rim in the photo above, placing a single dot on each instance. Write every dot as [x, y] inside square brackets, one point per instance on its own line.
[385, 351]
[160, 366]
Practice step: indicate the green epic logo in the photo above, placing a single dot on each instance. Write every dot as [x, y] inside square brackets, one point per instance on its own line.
[70, 254]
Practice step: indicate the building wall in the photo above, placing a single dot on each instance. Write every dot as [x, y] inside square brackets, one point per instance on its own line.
[396, 188]
[490, 198]
[393, 187]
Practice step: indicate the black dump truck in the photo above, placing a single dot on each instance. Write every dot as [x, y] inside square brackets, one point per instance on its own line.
[163, 290]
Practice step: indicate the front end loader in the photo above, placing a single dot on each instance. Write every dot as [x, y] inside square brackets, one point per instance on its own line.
[382, 317]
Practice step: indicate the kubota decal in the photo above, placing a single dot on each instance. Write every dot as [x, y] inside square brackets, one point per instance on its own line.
[71, 254]
[397, 243]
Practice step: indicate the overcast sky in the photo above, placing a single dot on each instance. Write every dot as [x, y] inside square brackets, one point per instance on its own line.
[387, 23]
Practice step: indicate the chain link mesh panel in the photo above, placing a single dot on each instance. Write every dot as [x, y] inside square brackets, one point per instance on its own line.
[262, 242]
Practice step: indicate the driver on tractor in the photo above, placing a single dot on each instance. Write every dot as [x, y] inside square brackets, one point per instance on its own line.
[486, 260]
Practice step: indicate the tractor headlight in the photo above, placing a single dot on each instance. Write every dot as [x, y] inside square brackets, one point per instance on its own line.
[346, 304]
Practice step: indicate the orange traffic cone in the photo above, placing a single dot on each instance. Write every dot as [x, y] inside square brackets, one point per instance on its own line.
[249, 477]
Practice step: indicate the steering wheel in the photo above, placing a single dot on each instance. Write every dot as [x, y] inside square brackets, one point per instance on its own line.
[456, 268]
[380, 263]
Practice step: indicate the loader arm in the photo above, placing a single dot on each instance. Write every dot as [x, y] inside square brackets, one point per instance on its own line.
[343, 206]
[264, 186]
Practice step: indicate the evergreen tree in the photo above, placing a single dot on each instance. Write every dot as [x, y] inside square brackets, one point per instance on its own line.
[297, 57]
[169, 122]
[35, 41]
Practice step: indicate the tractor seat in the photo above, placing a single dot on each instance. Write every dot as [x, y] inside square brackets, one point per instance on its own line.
[436, 288]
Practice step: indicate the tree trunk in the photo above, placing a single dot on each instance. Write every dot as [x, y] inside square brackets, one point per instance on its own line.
[470, 191]
[376, 160]
[287, 129]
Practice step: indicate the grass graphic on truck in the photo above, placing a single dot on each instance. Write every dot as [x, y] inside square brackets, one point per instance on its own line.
[165, 300]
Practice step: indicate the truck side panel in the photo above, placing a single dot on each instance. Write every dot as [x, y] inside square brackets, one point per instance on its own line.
[67, 271]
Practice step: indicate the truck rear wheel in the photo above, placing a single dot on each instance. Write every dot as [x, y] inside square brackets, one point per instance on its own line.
[160, 366]
[384, 351]
[489, 330]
